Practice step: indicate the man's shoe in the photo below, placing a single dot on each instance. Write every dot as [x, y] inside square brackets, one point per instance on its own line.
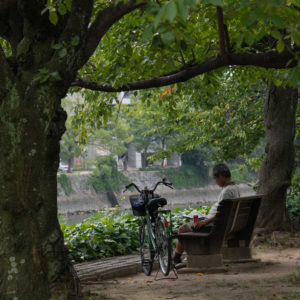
[176, 259]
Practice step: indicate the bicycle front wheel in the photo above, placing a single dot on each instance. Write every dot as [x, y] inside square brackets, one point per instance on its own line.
[146, 251]
[163, 243]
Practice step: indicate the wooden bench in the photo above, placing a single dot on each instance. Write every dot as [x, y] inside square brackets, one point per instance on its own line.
[228, 237]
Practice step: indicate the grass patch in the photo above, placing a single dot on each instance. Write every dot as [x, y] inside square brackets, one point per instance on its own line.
[293, 295]
[242, 284]
[260, 292]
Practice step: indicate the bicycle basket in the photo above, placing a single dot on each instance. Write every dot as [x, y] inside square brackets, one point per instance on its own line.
[137, 205]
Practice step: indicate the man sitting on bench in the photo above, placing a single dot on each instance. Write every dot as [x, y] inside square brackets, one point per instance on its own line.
[230, 190]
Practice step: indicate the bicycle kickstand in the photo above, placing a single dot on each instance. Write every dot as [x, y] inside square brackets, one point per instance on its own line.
[165, 277]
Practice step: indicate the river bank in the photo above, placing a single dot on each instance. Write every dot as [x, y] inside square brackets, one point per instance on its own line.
[84, 200]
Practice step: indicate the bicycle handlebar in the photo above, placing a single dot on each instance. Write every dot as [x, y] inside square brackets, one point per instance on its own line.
[130, 185]
[164, 182]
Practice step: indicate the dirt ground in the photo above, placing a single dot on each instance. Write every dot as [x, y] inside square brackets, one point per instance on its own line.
[275, 276]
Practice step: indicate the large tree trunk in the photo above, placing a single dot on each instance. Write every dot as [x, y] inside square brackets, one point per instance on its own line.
[277, 166]
[31, 239]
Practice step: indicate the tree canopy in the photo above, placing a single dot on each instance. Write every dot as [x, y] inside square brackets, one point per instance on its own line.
[178, 40]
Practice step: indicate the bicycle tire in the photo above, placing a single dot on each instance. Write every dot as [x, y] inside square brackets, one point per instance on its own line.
[147, 254]
[164, 247]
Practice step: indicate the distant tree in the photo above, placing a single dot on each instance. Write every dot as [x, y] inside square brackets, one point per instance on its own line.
[69, 146]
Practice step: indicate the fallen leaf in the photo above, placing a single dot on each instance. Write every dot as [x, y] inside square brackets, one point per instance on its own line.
[200, 274]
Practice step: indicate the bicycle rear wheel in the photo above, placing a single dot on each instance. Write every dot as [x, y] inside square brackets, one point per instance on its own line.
[164, 247]
[146, 251]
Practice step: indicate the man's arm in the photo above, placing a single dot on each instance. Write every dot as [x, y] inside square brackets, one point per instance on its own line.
[204, 222]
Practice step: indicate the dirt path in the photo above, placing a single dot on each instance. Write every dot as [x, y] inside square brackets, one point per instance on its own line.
[276, 276]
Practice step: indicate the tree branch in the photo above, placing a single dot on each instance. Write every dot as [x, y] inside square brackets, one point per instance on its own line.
[221, 31]
[227, 38]
[105, 19]
[271, 59]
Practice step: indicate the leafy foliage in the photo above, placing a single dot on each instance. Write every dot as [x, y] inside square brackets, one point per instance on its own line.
[115, 136]
[224, 116]
[186, 176]
[65, 183]
[242, 173]
[174, 35]
[106, 234]
[110, 233]
[69, 146]
[293, 198]
[106, 177]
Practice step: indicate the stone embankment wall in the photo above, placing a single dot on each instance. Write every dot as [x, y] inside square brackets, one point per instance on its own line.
[84, 199]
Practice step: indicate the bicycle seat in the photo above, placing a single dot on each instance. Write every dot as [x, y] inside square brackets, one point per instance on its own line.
[156, 203]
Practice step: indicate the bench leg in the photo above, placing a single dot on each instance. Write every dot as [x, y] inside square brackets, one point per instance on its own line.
[204, 261]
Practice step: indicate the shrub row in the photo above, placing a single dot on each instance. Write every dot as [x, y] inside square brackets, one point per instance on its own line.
[110, 233]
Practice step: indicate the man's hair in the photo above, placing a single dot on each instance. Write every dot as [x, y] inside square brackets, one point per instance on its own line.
[221, 169]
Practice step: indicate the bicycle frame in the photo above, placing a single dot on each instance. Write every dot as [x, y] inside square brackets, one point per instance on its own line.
[151, 233]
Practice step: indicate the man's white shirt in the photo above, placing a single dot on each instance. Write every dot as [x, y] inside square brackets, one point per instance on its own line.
[229, 191]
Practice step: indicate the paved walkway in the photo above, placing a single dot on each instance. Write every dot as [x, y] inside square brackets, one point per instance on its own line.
[109, 267]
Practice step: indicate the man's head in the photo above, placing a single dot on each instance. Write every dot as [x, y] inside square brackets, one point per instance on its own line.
[221, 174]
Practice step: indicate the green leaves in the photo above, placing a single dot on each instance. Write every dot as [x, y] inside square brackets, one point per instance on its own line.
[216, 2]
[294, 76]
[111, 233]
[62, 52]
[63, 47]
[276, 34]
[106, 234]
[280, 46]
[170, 11]
[53, 17]
[62, 9]
[75, 41]
[168, 38]
[182, 9]
[296, 36]
[44, 75]
[57, 6]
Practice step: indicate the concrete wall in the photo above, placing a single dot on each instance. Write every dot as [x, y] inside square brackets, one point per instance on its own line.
[134, 158]
[83, 198]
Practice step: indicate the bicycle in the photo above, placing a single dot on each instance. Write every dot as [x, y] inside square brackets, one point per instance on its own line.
[155, 232]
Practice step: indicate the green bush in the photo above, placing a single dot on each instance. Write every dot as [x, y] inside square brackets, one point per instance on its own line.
[110, 233]
[106, 177]
[65, 183]
[241, 173]
[293, 199]
[186, 176]
[104, 235]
